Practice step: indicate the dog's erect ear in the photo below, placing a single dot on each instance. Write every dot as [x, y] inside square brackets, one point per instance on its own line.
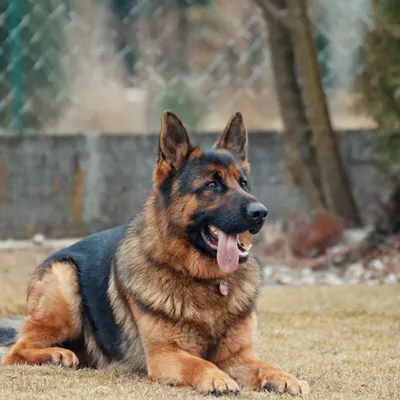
[234, 139]
[174, 144]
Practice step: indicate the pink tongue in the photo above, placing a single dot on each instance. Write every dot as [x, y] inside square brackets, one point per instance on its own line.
[228, 252]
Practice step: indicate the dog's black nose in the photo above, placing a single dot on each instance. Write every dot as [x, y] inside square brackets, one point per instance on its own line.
[257, 212]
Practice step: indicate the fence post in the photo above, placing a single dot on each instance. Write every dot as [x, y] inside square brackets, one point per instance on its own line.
[15, 17]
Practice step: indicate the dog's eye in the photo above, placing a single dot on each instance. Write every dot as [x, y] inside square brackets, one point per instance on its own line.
[212, 185]
[244, 185]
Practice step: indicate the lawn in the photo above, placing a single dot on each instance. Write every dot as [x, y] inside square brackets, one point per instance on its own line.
[344, 340]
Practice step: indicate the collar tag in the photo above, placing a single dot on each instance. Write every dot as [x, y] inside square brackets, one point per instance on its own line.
[223, 287]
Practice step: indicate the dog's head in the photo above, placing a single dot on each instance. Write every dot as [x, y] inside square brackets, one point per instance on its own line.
[205, 195]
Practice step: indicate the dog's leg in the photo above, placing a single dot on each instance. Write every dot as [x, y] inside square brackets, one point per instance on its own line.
[53, 316]
[178, 367]
[172, 355]
[235, 356]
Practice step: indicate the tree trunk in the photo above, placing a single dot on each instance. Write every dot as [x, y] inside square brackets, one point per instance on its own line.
[300, 153]
[337, 189]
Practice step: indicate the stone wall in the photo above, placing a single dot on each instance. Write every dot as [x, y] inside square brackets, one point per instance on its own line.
[67, 186]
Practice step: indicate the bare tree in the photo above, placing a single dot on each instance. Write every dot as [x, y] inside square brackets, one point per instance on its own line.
[299, 149]
[334, 177]
[316, 164]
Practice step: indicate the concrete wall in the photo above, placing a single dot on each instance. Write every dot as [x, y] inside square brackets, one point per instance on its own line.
[65, 186]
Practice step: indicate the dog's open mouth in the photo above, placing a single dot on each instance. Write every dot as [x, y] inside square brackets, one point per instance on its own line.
[229, 248]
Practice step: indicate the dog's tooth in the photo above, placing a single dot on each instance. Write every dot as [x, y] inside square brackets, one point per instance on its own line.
[213, 229]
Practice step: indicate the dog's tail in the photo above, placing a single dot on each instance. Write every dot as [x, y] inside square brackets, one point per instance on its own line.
[8, 336]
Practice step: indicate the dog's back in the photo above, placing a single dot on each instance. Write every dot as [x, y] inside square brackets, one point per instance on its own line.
[80, 277]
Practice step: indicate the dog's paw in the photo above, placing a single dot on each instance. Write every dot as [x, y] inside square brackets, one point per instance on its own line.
[59, 356]
[282, 382]
[51, 355]
[218, 384]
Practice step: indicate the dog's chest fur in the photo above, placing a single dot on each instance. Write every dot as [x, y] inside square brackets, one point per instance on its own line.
[196, 313]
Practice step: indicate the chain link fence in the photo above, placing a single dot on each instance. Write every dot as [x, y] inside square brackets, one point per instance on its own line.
[72, 66]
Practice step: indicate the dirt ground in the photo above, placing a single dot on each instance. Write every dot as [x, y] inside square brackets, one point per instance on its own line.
[344, 340]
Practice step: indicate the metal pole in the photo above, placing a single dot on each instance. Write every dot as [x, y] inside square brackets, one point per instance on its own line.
[15, 17]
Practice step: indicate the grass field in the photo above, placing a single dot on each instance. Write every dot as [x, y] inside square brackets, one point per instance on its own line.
[344, 340]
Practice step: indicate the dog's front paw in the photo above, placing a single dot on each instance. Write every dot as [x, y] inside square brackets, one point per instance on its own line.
[64, 357]
[217, 383]
[278, 381]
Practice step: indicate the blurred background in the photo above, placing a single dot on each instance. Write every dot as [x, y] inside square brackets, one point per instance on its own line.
[83, 84]
[73, 66]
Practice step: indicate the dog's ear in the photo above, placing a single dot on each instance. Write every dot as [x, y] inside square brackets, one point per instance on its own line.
[174, 143]
[234, 139]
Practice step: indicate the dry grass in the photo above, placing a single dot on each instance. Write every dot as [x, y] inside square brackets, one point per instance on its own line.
[343, 340]
[16, 266]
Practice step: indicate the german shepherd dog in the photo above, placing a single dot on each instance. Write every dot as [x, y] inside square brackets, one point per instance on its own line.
[171, 294]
